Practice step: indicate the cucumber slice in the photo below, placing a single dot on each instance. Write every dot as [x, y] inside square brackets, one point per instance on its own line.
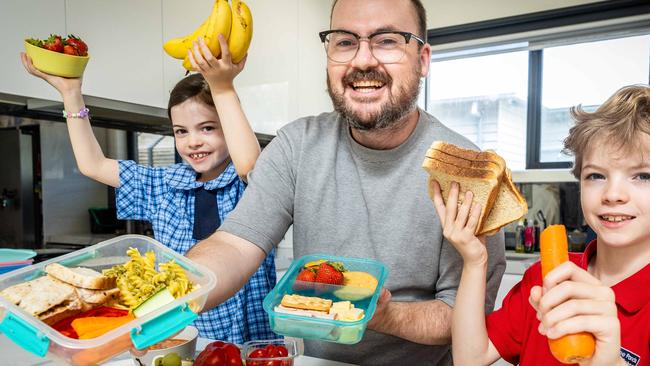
[158, 300]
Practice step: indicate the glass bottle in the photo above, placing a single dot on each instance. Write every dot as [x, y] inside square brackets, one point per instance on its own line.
[529, 239]
[519, 236]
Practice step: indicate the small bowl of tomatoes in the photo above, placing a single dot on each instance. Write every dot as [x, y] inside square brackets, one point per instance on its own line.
[56, 55]
[277, 352]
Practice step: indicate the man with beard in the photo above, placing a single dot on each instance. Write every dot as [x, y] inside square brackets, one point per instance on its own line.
[351, 184]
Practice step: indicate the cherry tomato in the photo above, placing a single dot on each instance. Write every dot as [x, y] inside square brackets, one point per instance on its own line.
[281, 351]
[271, 351]
[257, 353]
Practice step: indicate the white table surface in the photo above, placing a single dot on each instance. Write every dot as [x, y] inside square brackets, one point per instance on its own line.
[12, 355]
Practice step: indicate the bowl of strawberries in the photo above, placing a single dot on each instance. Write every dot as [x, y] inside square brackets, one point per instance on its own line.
[57, 55]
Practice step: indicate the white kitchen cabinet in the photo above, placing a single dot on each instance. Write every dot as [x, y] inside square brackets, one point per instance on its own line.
[125, 45]
[22, 19]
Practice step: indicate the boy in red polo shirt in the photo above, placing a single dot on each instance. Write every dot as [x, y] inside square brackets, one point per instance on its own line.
[606, 289]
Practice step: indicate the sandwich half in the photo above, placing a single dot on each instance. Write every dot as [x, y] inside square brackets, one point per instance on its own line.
[483, 183]
[509, 205]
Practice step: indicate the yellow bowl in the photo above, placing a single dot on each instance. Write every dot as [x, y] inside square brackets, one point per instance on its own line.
[56, 63]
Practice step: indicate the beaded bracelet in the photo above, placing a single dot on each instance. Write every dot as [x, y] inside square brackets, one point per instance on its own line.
[83, 113]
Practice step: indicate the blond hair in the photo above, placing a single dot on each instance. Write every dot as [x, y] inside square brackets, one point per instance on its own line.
[619, 121]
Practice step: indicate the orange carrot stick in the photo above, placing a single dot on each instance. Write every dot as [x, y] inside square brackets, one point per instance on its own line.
[571, 348]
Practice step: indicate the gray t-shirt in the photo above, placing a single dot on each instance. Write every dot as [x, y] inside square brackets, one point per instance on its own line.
[345, 199]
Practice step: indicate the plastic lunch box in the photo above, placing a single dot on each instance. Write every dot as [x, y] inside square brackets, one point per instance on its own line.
[344, 332]
[42, 340]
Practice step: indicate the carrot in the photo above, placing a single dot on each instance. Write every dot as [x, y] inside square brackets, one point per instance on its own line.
[94, 326]
[571, 348]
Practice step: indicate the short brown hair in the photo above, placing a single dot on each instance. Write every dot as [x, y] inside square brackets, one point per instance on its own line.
[619, 120]
[419, 10]
[193, 86]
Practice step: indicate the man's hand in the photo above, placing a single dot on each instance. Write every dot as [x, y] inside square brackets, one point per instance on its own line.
[380, 311]
[574, 301]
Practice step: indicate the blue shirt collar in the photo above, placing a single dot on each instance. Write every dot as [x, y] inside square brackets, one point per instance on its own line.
[183, 177]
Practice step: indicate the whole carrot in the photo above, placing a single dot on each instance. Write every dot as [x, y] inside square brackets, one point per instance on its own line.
[571, 348]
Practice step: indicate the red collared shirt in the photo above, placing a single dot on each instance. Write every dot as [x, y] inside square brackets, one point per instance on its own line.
[513, 328]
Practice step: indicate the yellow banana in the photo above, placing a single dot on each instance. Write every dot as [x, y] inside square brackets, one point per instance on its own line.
[177, 47]
[241, 32]
[219, 23]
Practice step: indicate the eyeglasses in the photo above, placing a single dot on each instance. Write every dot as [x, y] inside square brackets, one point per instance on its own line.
[386, 46]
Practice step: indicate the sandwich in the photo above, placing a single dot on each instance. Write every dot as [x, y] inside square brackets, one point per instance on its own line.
[485, 174]
[62, 292]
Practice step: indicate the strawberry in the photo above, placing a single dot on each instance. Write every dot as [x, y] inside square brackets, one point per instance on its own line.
[306, 275]
[78, 44]
[35, 42]
[69, 50]
[329, 273]
[53, 43]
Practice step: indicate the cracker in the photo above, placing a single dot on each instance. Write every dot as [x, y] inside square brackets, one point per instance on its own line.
[306, 303]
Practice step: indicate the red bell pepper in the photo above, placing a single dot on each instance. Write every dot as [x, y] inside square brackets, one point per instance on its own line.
[65, 326]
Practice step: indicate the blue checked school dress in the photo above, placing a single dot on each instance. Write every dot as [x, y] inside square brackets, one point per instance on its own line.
[165, 196]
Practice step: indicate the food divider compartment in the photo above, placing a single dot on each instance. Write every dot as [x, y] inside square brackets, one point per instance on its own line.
[339, 331]
[41, 339]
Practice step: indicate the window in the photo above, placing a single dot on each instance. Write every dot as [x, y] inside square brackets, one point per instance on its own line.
[508, 84]
[155, 150]
[586, 74]
[484, 98]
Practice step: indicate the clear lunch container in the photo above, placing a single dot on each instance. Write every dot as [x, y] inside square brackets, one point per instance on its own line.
[249, 347]
[338, 331]
[42, 340]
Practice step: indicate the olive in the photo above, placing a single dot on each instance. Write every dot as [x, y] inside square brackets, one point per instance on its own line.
[171, 359]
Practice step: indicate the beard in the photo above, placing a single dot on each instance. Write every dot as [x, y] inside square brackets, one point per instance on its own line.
[390, 113]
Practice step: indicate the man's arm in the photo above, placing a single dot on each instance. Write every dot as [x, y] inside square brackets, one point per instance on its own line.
[425, 322]
[232, 259]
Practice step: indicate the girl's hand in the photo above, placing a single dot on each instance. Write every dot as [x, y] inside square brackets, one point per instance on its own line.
[218, 72]
[574, 301]
[65, 86]
[459, 224]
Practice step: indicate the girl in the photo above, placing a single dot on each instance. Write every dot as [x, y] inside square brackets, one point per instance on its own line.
[186, 202]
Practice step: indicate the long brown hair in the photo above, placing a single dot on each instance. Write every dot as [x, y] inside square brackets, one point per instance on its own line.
[193, 86]
[619, 121]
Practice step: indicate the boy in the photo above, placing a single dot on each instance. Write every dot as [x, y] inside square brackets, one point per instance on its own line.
[604, 290]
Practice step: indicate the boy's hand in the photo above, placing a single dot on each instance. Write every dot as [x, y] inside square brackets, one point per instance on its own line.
[218, 72]
[459, 224]
[574, 301]
[65, 86]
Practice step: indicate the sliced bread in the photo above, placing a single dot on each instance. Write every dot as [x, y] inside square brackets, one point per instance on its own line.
[483, 183]
[80, 277]
[509, 205]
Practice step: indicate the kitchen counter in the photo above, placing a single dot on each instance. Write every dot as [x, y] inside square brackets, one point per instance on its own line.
[13, 355]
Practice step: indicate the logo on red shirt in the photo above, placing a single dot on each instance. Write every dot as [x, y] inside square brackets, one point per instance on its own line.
[630, 357]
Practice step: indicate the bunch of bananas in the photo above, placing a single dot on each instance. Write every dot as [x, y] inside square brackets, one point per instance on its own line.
[235, 24]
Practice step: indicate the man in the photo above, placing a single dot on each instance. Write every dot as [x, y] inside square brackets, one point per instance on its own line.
[351, 184]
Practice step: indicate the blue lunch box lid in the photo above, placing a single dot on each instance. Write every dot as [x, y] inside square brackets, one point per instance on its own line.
[12, 255]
